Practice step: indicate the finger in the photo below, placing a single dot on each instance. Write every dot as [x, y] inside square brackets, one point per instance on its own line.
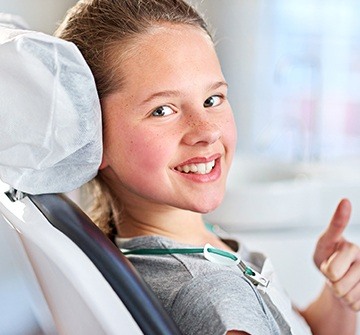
[355, 306]
[352, 298]
[338, 223]
[343, 286]
[332, 236]
[338, 264]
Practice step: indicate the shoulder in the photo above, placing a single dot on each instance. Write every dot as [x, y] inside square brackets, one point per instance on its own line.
[220, 302]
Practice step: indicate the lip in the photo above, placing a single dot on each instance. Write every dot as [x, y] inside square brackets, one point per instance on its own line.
[199, 160]
[212, 176]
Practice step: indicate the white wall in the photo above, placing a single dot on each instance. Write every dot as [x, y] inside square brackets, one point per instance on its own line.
[42, 15]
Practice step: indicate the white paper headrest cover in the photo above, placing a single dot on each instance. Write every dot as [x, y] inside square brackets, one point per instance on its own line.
[50, 118]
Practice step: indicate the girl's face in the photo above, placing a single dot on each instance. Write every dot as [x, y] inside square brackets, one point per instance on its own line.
[169, 134]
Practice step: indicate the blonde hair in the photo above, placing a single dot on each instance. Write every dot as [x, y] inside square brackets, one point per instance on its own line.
[100, 29]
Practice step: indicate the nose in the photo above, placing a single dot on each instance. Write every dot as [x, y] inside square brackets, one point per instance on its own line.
[201, 130]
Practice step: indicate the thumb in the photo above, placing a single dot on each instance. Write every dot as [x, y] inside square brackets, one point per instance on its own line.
[338, 223]
[333, 234]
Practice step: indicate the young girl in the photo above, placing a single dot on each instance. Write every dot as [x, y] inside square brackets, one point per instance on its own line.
[169, 139]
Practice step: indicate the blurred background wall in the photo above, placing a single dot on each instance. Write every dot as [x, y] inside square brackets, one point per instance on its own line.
[41, 15]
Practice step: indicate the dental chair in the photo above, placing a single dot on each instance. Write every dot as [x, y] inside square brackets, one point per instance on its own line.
[50, 143]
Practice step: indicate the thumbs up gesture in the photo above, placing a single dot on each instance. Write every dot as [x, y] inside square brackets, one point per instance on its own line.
[339, 259]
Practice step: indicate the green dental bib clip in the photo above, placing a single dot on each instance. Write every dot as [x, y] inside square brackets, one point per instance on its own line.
[212, 254]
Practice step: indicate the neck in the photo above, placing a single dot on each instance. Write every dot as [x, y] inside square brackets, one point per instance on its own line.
[179, 225]
[171, 223]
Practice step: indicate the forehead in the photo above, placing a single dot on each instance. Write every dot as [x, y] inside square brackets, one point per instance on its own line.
[169, 50]
[166, 35]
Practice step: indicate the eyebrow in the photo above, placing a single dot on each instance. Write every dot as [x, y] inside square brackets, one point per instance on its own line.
[170, 93]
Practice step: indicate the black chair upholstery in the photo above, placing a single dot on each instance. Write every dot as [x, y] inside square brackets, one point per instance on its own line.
[140, 301]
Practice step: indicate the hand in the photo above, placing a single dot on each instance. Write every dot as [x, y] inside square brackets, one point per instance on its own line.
[339, 259]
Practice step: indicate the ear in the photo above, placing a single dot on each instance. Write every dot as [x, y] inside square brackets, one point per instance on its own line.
[104, 163]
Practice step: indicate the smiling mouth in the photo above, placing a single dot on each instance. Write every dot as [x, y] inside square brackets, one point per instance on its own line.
[200, 168]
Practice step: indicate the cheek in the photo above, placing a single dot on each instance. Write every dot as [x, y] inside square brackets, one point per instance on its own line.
[230, 133]
[147, 150]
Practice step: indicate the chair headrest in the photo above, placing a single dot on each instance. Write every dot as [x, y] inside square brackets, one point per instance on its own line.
[50, 118]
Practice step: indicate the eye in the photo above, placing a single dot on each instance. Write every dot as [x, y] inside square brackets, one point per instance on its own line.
[212, 101]
[162, 111]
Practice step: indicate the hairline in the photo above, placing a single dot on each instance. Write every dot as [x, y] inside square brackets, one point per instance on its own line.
[130, 48]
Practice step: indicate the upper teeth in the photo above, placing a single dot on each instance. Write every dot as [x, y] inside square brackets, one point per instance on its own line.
[201, 168]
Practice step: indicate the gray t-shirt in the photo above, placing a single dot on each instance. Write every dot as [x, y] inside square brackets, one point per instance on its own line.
[204, 297]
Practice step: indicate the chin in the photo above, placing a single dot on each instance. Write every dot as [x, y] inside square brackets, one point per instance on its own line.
[207, 206]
